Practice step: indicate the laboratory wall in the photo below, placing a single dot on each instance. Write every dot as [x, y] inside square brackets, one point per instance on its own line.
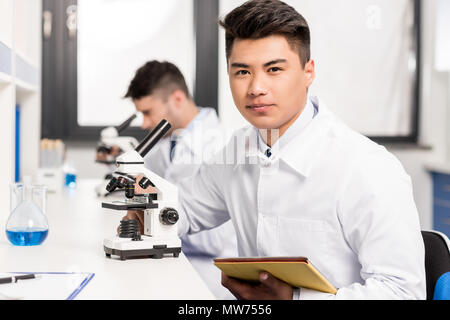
[417, 159]
[20, 102]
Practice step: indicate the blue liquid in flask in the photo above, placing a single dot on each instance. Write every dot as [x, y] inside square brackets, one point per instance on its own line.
[28, 237]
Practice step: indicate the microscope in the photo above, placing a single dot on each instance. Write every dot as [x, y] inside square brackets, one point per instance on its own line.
[109, 139]
[160, 209]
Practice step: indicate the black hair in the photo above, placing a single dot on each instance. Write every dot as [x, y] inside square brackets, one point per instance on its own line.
[155, 75]
[258, 19]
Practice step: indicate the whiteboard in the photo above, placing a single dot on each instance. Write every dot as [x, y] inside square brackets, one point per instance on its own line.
[442, 59]
[115, 38]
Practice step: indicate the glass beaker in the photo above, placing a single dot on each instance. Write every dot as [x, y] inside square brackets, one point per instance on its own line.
[27, 224]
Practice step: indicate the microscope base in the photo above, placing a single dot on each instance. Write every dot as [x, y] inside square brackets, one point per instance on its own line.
[148, 248]
[155, 253]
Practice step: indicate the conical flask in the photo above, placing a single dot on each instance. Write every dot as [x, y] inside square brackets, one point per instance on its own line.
[27, 224]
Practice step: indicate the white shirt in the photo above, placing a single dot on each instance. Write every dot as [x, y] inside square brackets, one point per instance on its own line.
[195, 143]
[327, 193]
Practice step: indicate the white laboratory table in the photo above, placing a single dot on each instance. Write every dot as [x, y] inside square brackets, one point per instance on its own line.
[77, 227]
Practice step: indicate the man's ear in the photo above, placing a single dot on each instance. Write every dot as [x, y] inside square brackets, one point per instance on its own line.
[178, 97]
[310, 72]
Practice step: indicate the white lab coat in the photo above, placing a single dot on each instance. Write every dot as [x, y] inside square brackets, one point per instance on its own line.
[326, 193]
[202, 138]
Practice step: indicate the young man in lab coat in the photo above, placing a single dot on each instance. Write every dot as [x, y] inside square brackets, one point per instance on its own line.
[302, 182]
[159, 91]
[298, 181]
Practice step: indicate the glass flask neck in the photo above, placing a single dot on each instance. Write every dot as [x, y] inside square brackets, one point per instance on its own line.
[33, 193]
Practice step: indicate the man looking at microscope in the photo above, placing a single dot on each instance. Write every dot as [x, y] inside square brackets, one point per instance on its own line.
[303, 183]
[159, 91]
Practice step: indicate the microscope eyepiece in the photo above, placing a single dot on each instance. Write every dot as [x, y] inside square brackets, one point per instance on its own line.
[153, 137]
[125, 124]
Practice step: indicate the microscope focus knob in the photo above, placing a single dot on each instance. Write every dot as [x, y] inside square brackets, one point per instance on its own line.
[169, 216]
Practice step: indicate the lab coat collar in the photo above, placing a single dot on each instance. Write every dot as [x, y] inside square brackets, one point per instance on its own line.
[299, 152]
[193, 135]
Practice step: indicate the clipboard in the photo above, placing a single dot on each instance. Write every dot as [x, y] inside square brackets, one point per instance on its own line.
[297, 271]
[46, 286]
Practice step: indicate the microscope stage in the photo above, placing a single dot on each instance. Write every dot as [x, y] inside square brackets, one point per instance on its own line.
[122, 205]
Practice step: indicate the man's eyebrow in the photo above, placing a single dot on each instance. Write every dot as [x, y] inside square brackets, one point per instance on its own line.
[267, 64]
[239, 65]
[274, 62]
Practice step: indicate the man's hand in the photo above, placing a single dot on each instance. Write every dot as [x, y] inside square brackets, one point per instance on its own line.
[135, 214]
[269, 288]
[107, 156]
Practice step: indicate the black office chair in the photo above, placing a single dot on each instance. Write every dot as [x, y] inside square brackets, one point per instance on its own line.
[437, 258]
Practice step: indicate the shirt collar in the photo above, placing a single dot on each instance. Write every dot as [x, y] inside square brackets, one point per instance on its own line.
[294, 130]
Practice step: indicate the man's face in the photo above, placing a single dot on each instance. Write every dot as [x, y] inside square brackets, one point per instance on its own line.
[153, 108]
[268, 83]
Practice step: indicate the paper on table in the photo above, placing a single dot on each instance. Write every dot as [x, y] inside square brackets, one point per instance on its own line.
[46, 286]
